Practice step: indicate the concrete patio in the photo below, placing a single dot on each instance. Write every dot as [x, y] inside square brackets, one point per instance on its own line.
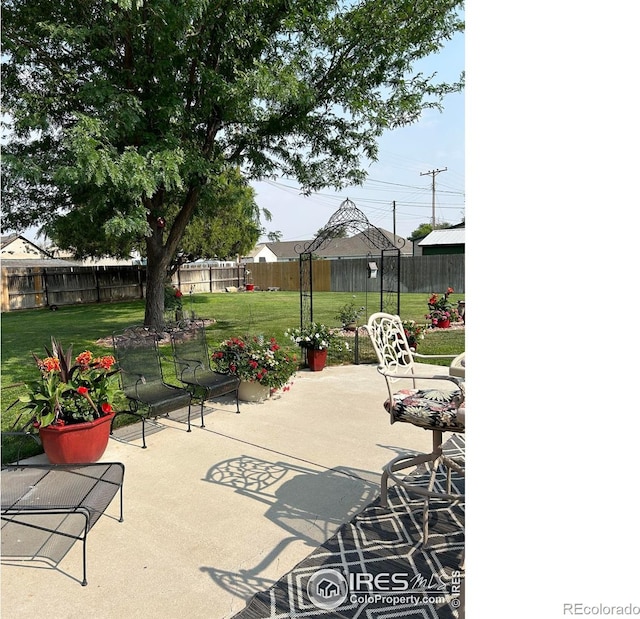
[214, 516]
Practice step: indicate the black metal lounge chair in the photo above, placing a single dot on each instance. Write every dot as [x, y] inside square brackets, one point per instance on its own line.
[136, 350]
[193, 366]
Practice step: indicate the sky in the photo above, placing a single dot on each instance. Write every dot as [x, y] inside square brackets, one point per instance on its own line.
[406, 154]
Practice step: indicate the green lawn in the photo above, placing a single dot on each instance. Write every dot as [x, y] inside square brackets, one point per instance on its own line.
[267, 313]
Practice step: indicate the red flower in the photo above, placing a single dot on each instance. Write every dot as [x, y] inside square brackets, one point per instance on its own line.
[106, 408]
[106, 362]
[51, 364]
[449, 290]
[178, 294]
[84, 358]
[83, 390]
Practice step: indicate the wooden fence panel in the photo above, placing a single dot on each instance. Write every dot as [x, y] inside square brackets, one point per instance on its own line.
[22, 288]
[116, 283]
[69, 286]
[207, 278]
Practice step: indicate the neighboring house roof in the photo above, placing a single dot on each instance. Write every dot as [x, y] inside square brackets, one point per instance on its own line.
[446, 236]
[18, 247]
[351, 247]
[39, 262]
[23, 252]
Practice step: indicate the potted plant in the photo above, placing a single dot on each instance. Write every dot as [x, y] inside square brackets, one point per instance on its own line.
[348, 315]
[414, 332]
[72, 404]
[316, 339]
[260, 363]
[441, 312]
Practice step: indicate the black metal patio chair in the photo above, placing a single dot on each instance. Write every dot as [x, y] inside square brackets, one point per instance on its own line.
[143, 383]
[193, 366]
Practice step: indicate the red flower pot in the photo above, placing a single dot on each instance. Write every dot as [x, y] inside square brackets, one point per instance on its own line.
[249, 287]
[76, 443]
[316, 359]
[444, 324]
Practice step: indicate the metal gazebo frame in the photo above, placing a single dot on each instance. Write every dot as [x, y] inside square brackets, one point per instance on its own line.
[348, 219]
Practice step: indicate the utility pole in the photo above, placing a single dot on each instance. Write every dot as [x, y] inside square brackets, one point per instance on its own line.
[433, 193]
[394, 222]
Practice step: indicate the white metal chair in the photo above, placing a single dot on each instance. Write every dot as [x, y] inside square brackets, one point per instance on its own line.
[434, 403]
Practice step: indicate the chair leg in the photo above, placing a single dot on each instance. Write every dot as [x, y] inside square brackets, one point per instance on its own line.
[202, 412]
[425, 522]
[400, 463]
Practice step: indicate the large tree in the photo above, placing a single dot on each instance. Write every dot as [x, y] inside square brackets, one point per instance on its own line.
[126, 111]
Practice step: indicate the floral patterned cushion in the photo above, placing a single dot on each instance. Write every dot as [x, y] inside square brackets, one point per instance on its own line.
[428, 408]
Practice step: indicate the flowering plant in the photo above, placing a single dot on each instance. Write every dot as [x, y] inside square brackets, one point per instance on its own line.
[440, 309]
[413, 331]
[71, 390]
[256, 359]
[316, 336]
[172, 298]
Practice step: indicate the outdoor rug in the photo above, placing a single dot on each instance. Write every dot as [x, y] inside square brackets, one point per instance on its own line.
[375, 565]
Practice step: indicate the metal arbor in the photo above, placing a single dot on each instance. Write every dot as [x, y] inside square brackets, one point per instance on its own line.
[349, 219]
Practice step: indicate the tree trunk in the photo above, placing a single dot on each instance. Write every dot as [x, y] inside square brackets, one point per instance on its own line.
[154, 307]
[160, 254]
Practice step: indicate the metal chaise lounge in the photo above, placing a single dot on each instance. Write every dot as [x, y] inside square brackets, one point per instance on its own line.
[46, 508]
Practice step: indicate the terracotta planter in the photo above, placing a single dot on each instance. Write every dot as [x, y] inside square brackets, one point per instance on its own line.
[444, 324]
[76, 443]
[250, 391]
[316, 359]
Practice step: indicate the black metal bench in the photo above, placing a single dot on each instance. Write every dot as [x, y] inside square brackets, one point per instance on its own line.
[46, 508]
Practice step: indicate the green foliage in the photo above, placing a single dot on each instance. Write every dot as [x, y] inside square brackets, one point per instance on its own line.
[172, 298]
[71, 390]
[226, 221]
[257, 359]
[349, 313]
[421, 231]
[317, 336]
[127, 112]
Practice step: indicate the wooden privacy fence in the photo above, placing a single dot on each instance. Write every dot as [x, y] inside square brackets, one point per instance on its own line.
[42, 286]
[417, 274]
